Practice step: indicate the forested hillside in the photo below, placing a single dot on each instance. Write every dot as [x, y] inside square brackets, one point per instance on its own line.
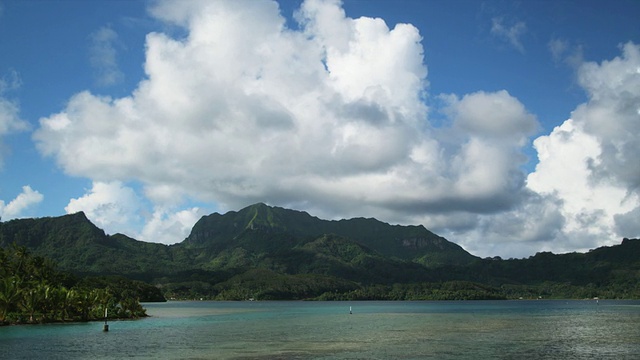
[32, 290]
[265, 252]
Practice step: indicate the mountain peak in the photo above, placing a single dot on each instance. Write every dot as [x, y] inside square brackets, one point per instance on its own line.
[260, 215]
[258, 205]
[80, 216]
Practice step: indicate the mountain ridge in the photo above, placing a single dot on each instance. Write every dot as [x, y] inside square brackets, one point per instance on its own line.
[408, 242]
[275, 253]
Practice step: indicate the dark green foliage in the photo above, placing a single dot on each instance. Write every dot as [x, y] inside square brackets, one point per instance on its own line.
[136, 289]
[606, 272]
[451, 290]
[271, 228]
[264, 284]
[264, 252]
[79, 246]
[33, 291]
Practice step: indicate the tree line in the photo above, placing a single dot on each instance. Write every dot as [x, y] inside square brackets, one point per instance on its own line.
[32, 291]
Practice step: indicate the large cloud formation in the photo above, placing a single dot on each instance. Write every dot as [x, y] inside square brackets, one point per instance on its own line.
[330, 118]
[590, 162]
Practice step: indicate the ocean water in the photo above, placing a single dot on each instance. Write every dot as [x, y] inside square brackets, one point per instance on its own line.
[545, 329]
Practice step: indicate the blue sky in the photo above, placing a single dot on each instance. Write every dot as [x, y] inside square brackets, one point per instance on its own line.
[507, 127]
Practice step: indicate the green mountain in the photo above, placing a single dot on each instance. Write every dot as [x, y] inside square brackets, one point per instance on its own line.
[266, 252]
[79, 246]
[221, 247]
[278, 228]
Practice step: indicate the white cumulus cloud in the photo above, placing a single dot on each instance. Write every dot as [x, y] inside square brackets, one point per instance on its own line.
[168, 226]
[330, 118]
[110, 205]
[117, 208]
[17, 207]
[590, 162]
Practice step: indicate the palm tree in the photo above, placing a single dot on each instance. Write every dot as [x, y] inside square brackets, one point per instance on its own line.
[130, 304]
[4, 263]
[85, 301]
[102, 298]
[9, 295]
[68, 304]
[46, 305]
[21, 255]
[29, 302]
[58, 302]
[36, 299]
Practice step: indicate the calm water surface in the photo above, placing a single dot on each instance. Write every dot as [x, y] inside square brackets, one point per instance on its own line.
[325, 330]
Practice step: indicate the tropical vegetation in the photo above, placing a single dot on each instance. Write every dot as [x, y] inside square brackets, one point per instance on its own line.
[267, 253]
[32, 290]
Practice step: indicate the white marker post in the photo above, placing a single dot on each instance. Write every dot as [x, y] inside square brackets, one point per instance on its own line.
[106, 326]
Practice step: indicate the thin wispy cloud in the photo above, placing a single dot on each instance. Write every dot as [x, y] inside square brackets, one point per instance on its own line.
[558, 48]
[103, 57]
[562, 51]
[10, 120]
[511, 34]
[10, 81]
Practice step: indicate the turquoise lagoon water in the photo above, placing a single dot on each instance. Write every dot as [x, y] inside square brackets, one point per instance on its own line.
[545, 329]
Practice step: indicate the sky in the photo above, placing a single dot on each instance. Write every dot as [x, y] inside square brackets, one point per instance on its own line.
[508, 127]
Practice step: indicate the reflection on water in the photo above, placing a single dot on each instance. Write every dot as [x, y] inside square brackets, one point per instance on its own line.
[325, 330]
